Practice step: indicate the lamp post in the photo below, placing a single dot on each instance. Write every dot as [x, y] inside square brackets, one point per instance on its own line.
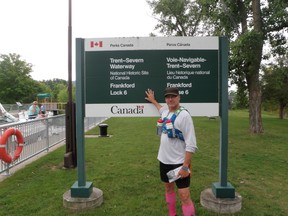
[70, 157]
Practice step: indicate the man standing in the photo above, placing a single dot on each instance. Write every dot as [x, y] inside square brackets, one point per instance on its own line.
[176, 149]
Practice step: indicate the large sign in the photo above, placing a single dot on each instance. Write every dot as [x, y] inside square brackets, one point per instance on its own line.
[118, 71]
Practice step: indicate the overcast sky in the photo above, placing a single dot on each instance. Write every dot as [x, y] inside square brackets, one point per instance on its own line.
[37, 30]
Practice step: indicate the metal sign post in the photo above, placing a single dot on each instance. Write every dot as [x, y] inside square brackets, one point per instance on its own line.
[223, 189]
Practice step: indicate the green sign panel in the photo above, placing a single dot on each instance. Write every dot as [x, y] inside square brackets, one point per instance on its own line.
[118, 71]
[123, 76]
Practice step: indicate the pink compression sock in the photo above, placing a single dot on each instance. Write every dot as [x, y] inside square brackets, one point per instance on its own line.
[188, 210]
[171, 203]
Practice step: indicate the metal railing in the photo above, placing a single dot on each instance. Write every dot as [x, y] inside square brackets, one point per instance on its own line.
[39, 136]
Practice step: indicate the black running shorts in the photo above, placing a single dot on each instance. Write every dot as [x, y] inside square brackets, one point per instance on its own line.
[181, 182]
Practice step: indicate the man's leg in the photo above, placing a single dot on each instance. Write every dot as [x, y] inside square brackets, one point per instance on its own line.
[187, 204]
[170, 198]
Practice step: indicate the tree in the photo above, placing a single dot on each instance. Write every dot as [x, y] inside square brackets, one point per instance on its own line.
[56, 85]
[247, 23]
[15, 80]
[179, 17]
[275, 87]
[241, 99]
[63, 94]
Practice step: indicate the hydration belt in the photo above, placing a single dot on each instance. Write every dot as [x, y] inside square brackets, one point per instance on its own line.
[173, 132]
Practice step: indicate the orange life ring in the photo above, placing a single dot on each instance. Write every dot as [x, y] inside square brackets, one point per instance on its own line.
[3, 140]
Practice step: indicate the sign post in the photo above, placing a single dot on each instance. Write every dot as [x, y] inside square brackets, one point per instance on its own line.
[223, 189]
[113, 74]
[80, 188]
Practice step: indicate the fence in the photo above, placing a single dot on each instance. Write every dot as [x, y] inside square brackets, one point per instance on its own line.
[39, 136]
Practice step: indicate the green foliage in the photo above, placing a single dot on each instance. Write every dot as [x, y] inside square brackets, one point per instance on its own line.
[125, 168]
[242, 57]
[63, 95]
[15, 80]
[178, 17]
[56, 86]
[275, 85]
[238, 99]
[17, 84]
[248, 24]
[275, 22]
[241, 99]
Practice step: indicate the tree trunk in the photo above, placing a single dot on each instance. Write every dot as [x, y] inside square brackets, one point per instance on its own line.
[255, 117]
[281, 111]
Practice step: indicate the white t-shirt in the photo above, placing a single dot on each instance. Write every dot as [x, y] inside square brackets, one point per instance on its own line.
[172, 150]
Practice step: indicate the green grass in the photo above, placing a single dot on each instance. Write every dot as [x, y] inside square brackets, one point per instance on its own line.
[125, 168]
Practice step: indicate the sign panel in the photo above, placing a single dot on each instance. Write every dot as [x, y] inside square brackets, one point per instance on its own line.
[118, 71]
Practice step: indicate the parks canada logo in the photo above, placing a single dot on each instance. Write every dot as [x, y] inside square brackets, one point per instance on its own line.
[133, 110]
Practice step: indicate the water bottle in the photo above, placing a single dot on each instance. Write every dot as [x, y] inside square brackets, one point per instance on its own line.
[170, 129]
[159, 127]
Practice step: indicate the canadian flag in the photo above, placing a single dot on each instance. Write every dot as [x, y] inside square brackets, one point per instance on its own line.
[96, 44]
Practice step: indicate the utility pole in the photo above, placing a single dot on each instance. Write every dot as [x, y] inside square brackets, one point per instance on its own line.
[70, 157]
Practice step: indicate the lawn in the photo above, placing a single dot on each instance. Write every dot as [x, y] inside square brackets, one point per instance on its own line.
[125, 168]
